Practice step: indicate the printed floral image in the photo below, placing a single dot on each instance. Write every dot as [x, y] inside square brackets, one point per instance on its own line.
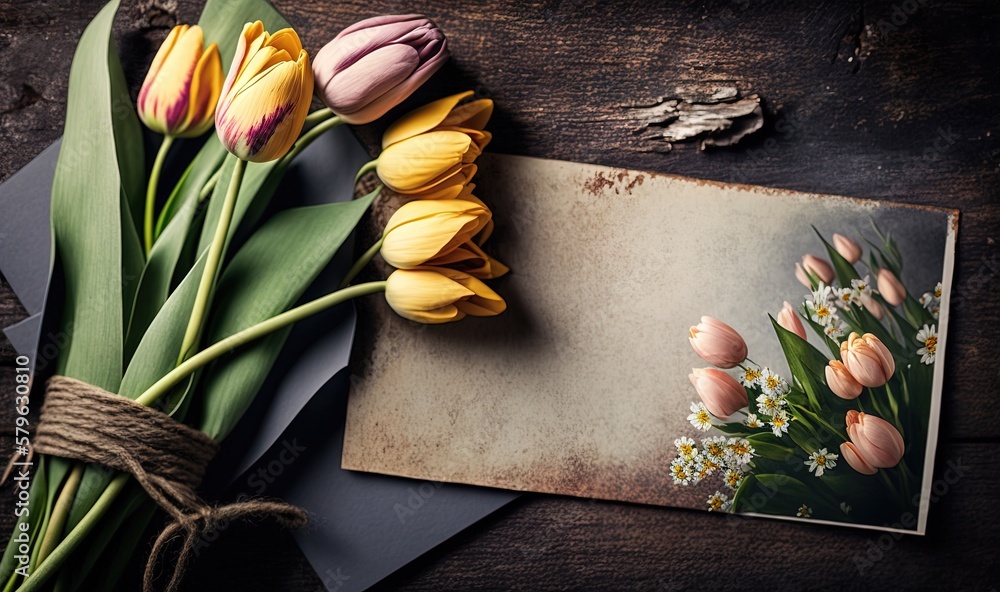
[843, 436]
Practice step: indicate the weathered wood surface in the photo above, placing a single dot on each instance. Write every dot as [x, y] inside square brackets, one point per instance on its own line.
[890, 100]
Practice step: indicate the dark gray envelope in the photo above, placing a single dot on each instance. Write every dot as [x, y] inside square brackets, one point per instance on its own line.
[364, 526]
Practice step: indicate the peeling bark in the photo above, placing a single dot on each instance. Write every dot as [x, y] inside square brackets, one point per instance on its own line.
[720, 119]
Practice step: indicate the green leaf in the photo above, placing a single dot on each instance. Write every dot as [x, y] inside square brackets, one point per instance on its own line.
[767, 446]
[741, 499]
[806, 362]
[266, 277]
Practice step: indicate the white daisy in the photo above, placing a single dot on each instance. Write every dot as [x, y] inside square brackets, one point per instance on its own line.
[821, 312]
[739, 451]
[718, 502]
[749, 376]
[714, 448]
[752, 421]
[700, 417]
[733, 478]
[681, 471]
[846, 297]
[779, 422]
[861, 288]
[821, 461]
[804, 512]
[703, 467]
[771, 383]
[937, 290]
[686, 447]
[927, 336]
[822, 293]
[835, 330]
[769, 404]
[927, 300]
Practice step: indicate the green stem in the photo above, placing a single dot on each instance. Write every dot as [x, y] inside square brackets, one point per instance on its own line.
[319, 115]
[175, 376]
[60, 512]
[49, 567]
[212, 262]
[307, 138]
[154, 180]
[368, 166]
[361, 262]
[209, 186]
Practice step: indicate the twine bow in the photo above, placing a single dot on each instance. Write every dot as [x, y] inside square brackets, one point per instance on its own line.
[167, 458]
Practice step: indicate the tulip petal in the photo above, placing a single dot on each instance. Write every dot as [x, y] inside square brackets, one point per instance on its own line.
[472, 115]
[412, 164]
[422, 119]
[206, 86]
[376, 73]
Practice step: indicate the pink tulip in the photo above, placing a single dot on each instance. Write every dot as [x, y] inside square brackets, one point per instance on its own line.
[818, 267]
[847, 248]
[890, 287]
[373, 65]
[720, 392]
[867, 359]
[717, 343]
[875, 440]
[790, 321]
[841, 382]
[800, 274]
[850, 453]
[873, 306]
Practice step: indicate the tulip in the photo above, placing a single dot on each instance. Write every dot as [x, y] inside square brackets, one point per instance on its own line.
[848, 248]
[435, 295]
[182, 86]
[867, 359]
[266, 96]
[720, 392]
[818, 267]
[373, 65]
[717, 343]
[876, 441]
[789, 321]
[850, 453]
[424, 230]
[890, 287]
[802, 276]
[432, 148]
[872, 306]
[841, 382]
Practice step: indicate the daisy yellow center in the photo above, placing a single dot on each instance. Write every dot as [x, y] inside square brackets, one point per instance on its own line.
[862, 287]
[937, 292]
[679, 472]
[821, 460]
[733, 479]
[739, 448]
[715, 449]
[931, 344]
[703, 417]
[715, 503]
[751, 375]
[822, 311]
[778, 421]
[687, 449]
[846, 296]
[773, 382]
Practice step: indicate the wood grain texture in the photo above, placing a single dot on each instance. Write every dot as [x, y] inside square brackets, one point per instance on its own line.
[894, 99]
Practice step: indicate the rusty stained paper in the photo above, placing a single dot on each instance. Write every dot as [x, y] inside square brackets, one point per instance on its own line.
[581, 387]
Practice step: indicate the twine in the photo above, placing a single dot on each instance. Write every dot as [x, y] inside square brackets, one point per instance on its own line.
[167, 458]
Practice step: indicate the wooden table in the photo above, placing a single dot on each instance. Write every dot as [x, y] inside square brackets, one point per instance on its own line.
[896, 101]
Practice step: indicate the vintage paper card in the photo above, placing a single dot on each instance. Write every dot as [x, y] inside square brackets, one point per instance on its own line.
[593, 385]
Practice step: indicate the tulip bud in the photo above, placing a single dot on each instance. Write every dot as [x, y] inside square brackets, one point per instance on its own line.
[717, 343]
[182, 87]
[818, 267]
[867, 359]
[847, 248]
[267, 95]
[789, 321]
[423, 230]
[850, 453]
[435, 295]
[872, 306]
[890, 287]
[875, 440]
[800, 274]
[720, 392]
[373, 65]
[432, 148]
[841, 382]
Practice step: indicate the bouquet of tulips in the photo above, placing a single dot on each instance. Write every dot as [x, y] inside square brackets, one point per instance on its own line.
[164, 306]
[844, 437]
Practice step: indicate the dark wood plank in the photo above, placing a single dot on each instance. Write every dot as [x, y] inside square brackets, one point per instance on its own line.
[894, 100]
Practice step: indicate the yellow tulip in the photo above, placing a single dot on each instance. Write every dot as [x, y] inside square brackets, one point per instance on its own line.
[182, 87]
[422, 230]
[266, 96]
[437, 295]
[471, 259]
[433, 147]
